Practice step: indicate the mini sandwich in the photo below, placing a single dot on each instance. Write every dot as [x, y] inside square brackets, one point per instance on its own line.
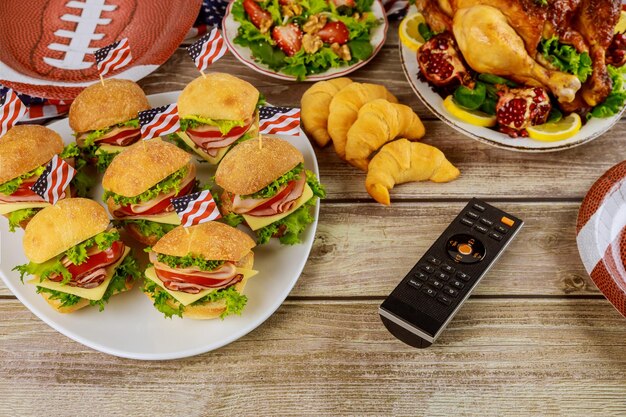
[140, 184]
[268, 188]
[105, 119]
[24, 153]
[76, 259]
[200, 272]
[216, 112]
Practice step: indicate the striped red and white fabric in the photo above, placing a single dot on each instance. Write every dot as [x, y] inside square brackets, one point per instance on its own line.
[601, 235]
[12, 109]
[208, 49]
[51, 185]
[159, 121]
[196, 208]
[279, 120]
[114, 56]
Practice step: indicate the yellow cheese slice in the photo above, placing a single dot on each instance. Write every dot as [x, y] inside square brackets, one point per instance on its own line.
[88, 293]
[186, 298]
[256, 223]
[169, 218]
[11, 207]
[210, 159]
[110, 148]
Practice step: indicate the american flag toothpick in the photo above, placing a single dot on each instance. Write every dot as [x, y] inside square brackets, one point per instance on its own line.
[279, 120]
[159, 121]
[12, 109]
[52, 184]
[208, 49]
[196, 208]
[112, 57]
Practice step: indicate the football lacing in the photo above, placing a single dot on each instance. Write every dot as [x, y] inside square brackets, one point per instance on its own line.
[78, 48]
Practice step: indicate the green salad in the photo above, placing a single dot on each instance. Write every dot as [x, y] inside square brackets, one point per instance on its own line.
[305, 37]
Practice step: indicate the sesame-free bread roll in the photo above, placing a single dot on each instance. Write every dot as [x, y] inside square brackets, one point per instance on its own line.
[210, 240]
[142, 165]
[103, 105]
[57, 228]
[247, 168]
[218, 96]
[25, 147]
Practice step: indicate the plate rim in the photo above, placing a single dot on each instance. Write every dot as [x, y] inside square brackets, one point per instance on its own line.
[260, 68]
[258, 321]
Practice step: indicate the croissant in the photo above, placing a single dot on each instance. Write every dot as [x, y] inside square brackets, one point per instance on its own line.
[344, 110]
[403, 161]
[379, 122]
[315, 102]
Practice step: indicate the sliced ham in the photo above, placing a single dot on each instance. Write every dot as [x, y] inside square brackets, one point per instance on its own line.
[120, 136]
[91, 279]
[195, 288]
[30, 198]
[282, 202]
[210, 139]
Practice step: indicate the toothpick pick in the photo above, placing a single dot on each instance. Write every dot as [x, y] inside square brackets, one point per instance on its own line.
[102, 79]
[203, 74]
[186, 229]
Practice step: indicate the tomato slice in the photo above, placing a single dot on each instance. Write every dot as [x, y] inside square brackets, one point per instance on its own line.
[24, 190]
[192, 279]
[98, 259]
[215, 133]
[161, 206]
[128, 135]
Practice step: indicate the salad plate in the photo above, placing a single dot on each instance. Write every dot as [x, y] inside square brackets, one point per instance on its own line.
[257, 51]
[590, 130]
[130, 326]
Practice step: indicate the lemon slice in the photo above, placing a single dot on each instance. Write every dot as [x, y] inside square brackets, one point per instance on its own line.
[551, 132]
[621, 23]
[409, 35]
[473, 117]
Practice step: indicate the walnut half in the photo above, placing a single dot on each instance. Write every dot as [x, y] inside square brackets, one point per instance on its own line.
[314, 24]
[311, 43]
[342, 51]
[292, 10]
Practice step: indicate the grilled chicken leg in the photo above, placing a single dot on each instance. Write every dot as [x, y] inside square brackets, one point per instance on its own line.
[490, 45]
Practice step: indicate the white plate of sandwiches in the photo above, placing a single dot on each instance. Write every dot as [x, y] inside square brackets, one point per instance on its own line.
[130, 326]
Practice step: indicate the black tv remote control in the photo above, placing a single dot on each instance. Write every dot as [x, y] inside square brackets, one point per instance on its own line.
[425, 301]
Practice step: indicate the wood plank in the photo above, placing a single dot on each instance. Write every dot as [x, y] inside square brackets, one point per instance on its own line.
[497, 358]
[365, 249]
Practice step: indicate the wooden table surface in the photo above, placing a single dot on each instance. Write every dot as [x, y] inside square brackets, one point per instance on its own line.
[535, 338]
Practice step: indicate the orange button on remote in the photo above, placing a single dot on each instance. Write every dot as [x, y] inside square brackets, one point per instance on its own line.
[465, 249]
[507, 221]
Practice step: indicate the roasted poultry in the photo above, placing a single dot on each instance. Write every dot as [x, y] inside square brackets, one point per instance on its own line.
[509, 39]
[490, 45]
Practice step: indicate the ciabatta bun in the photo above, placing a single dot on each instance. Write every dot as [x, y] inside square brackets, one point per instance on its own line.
[210, 240]
[218, 96]
[25, 147]
[57, 228]
[56, 304]
[247, 168]
[142, 165]
[103, 105]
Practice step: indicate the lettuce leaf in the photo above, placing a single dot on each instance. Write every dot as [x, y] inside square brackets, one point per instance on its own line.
[189, 260]
[171, 182]
[271, 189]
[161, 299]
[315, 6]
[128, 268]
[566, 58]
[317, 188]
[102, 158]
[148, 228]
[82, 182]
[44, 270]
[96, 134]
[302, 64]
[617, 97]
[225, 126]
[18, 216]
[11, 186]
[65, 298]
[78, 254]
[235, 301]
[364, 5]
[232, 219]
